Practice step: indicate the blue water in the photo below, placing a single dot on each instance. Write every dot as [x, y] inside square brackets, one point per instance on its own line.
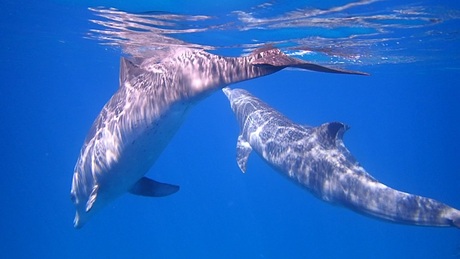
[404, 121]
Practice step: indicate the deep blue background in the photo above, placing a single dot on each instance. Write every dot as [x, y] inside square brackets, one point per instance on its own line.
[404, 130]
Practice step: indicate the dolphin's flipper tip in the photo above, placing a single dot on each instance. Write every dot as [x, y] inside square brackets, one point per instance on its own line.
[151, 188]
[319, 68]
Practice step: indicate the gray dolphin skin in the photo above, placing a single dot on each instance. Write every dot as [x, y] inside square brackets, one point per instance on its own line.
[140, 119]
[316, 158]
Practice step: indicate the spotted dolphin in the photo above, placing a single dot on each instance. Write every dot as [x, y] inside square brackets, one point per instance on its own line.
[317, 159]
[140, 119]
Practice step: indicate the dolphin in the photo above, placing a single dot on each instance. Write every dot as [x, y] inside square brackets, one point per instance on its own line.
[317, 159]
[139, 120]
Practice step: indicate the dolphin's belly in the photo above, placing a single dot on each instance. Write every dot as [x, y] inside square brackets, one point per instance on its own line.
[141, 147]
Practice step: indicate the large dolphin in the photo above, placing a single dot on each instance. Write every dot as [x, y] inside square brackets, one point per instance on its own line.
[316, 158]
[139, 120]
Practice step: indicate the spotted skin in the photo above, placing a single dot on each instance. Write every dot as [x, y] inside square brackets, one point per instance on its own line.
[316, 158]
[140, 119]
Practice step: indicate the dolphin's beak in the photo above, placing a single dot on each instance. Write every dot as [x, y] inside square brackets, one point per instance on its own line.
[227, 91]
[77, 223]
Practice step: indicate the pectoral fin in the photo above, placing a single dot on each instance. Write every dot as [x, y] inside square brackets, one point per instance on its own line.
[151, 188]
[243, 149]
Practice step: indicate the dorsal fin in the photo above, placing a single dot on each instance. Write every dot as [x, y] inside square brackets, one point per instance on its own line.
[329, 133]
[128, 70]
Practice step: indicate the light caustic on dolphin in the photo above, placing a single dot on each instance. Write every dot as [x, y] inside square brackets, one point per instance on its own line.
[137, 123]
[316, 158]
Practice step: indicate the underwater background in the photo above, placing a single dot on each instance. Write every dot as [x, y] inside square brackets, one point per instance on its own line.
[60, 65]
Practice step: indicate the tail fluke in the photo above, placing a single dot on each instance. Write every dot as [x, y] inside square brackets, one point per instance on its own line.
[275, 58]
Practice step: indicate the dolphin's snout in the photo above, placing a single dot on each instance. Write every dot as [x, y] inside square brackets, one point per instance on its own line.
[76, 222]
[227, 91]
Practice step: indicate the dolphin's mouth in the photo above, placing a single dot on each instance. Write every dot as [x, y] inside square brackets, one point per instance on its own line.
[77, 223]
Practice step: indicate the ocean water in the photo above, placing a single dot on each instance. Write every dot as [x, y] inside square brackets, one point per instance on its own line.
[59, 68]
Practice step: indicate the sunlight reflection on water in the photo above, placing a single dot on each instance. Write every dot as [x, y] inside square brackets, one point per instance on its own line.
[358, 33]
